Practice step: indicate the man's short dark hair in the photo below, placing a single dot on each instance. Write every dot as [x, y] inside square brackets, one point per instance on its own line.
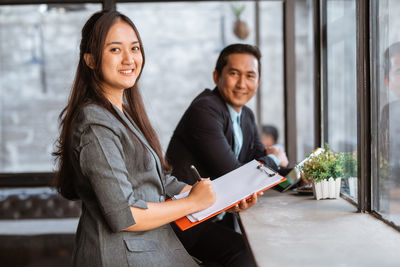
[237, 49]
[272, 131]
[390, 52]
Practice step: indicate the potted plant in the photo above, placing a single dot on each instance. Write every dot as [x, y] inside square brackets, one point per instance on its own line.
[325, 170]
[350, 172]
[240, 28]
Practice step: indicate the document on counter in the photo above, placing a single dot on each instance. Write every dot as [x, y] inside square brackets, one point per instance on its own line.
[232, 187]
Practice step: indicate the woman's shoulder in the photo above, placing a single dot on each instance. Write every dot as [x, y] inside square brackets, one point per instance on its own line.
[94, 114]
[93, 122]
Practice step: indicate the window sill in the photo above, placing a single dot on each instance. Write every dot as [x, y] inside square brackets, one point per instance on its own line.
[286, 229]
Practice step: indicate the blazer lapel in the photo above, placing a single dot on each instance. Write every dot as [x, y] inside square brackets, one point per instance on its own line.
[139, 135]
[228, 131]
[245, 126]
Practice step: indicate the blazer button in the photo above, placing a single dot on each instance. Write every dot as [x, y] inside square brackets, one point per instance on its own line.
[162, 198]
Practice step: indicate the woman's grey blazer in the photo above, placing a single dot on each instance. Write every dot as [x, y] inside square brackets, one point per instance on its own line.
[113, 171]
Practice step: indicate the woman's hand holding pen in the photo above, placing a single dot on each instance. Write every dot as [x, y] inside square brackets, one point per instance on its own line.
[202, 194]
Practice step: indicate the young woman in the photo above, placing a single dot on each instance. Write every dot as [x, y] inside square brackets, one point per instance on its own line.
[110, 157]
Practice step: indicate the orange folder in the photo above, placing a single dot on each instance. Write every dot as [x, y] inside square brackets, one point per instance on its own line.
[184, 223]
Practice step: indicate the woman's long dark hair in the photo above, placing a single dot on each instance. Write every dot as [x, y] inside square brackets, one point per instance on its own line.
[86, 89]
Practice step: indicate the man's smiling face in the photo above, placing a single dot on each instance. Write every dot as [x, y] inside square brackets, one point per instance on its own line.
[239, 79]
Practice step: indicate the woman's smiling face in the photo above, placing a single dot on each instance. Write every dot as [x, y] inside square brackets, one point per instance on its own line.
[122, 58]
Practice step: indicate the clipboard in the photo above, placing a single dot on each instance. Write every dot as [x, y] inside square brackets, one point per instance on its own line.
[231, 188]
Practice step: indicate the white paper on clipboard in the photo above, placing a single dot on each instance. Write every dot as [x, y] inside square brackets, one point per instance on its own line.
[235, 186]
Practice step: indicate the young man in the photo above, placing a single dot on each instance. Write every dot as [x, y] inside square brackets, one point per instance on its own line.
[217, 134]
[269, 135]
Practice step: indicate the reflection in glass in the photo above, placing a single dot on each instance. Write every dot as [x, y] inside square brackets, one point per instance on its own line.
[341, 81]
[387, 79]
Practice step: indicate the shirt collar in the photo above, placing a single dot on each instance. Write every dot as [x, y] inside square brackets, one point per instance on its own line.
[233, 113]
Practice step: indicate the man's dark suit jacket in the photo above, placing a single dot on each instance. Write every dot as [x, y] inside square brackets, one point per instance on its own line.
[204, 138]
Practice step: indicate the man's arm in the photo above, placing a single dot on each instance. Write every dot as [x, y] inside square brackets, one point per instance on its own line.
[208, 138]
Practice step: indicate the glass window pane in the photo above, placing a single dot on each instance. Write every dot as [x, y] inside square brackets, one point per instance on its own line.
[180, 61]
[271, 38]
[386, 78]
[342, 85]
[304, 78]
[39, 49]
[181, 52]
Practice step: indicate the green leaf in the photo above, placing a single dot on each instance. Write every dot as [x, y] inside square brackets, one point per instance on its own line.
[238, 10]
[324, 165]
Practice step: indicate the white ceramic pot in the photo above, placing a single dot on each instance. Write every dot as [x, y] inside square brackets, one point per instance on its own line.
[327, 188]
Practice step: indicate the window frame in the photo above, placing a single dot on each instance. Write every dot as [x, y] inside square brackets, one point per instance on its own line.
[374, 107]
[363, 106]
[363, 94]
[366, 12]
[366, 19]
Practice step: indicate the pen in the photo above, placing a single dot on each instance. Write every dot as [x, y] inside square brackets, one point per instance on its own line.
[195, 173]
